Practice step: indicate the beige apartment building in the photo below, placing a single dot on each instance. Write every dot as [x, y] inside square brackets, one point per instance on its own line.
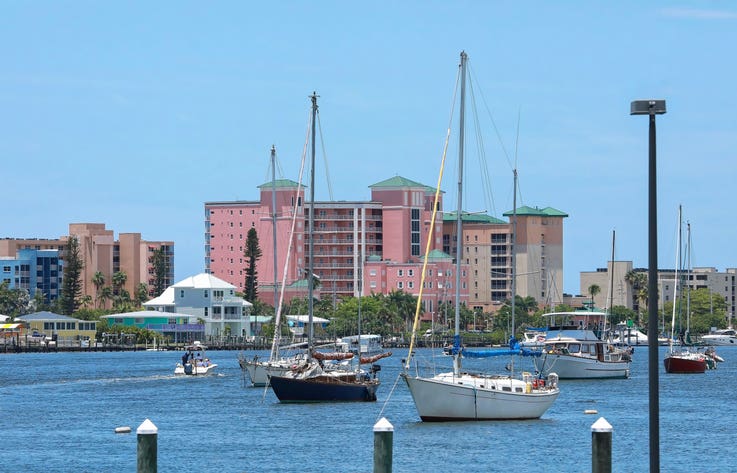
[102, 252]
[615, 274]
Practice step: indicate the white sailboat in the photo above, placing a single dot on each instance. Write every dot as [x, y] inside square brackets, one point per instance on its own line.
[460, 395]
[277, 364]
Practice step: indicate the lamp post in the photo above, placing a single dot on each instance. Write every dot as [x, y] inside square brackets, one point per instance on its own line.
[652, 108]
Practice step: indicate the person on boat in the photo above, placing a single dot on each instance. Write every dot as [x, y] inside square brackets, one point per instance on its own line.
[185, 357]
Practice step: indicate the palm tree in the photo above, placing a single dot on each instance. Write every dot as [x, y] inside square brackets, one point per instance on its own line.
[86, 300]
[638, 284]
[106, 294]
[141, 294]
[594, 289]
[98, 280]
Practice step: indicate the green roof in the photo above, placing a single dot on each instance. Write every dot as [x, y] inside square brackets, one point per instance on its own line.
[472, 218]
[299, 283]
[437, 254]
[399, 181]
[529, 211]
[279, 183]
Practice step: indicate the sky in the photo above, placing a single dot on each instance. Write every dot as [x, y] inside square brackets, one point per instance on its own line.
[134, 114]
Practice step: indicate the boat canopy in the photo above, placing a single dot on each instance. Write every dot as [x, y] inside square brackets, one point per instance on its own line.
[499, 352]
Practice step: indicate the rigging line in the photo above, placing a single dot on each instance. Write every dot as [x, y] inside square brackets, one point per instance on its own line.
[432, 225]
[324, 157]
[277, 318]
[516, 149]
[483, 162]
[388, 397]
[498, 135]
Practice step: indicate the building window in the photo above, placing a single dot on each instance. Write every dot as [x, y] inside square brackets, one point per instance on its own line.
[400, 273]
[410, 272]
[181, 293]
[400, 285]
[205, 293]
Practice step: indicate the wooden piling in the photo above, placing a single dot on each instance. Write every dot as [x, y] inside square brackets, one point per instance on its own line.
[601, 446]
[383, 439]
[147, 449]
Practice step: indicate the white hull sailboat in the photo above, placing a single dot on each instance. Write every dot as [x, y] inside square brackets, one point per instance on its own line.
[277, 364]
[464, 396]
[467, 396]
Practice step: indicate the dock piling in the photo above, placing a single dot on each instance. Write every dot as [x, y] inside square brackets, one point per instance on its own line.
[147, 449]
[383, 439]
[601, 446]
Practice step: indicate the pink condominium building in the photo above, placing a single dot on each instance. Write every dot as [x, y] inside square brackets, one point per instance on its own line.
[376, 245]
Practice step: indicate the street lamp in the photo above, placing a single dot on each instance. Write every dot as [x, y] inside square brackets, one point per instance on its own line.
[652, 108]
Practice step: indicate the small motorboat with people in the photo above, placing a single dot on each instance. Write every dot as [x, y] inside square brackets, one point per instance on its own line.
[194, 361]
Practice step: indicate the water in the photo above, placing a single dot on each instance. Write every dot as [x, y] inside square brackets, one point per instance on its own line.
[59, 412]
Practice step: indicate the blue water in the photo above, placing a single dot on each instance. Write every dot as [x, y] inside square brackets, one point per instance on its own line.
[59, 411]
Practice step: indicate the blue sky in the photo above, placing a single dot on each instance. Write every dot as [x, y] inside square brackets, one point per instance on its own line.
[181, 102]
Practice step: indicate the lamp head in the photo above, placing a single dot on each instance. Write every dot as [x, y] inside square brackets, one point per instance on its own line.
[647, 107]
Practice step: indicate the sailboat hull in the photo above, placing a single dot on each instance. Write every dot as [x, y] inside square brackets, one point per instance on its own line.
[323, 389]
[259, 372]
[465, 397]
[684, 363]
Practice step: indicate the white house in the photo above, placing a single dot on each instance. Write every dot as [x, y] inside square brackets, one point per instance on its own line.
[209, 299]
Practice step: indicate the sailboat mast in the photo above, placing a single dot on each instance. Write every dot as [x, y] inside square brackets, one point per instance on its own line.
[273, 221]
[459, 219]
[310, 226]
[513, 248]
[675, 283]
[611, 284]
[688, 279]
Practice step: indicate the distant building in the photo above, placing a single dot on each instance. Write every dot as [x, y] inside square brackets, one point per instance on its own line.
[722, 283]
[379, 243]
[101, 252]
[175, 327]
[36, 271]
[206, 300]
[65, 331]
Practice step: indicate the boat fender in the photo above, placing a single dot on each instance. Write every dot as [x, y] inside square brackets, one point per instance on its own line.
[528, 387]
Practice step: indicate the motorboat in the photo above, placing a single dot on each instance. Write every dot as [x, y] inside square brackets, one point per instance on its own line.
[573, 351]
[723, 337]
[533, 338]
[194, 361]
[370, 344]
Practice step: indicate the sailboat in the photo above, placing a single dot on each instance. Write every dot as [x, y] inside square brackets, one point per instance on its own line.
[258, 370]
[460, 395]
[682, 360]
[314, 379]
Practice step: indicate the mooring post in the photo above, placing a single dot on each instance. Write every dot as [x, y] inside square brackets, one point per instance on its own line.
[147, 450]
[383, 439]
[601, 446]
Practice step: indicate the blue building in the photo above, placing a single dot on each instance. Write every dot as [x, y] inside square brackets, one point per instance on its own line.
[34, 271]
